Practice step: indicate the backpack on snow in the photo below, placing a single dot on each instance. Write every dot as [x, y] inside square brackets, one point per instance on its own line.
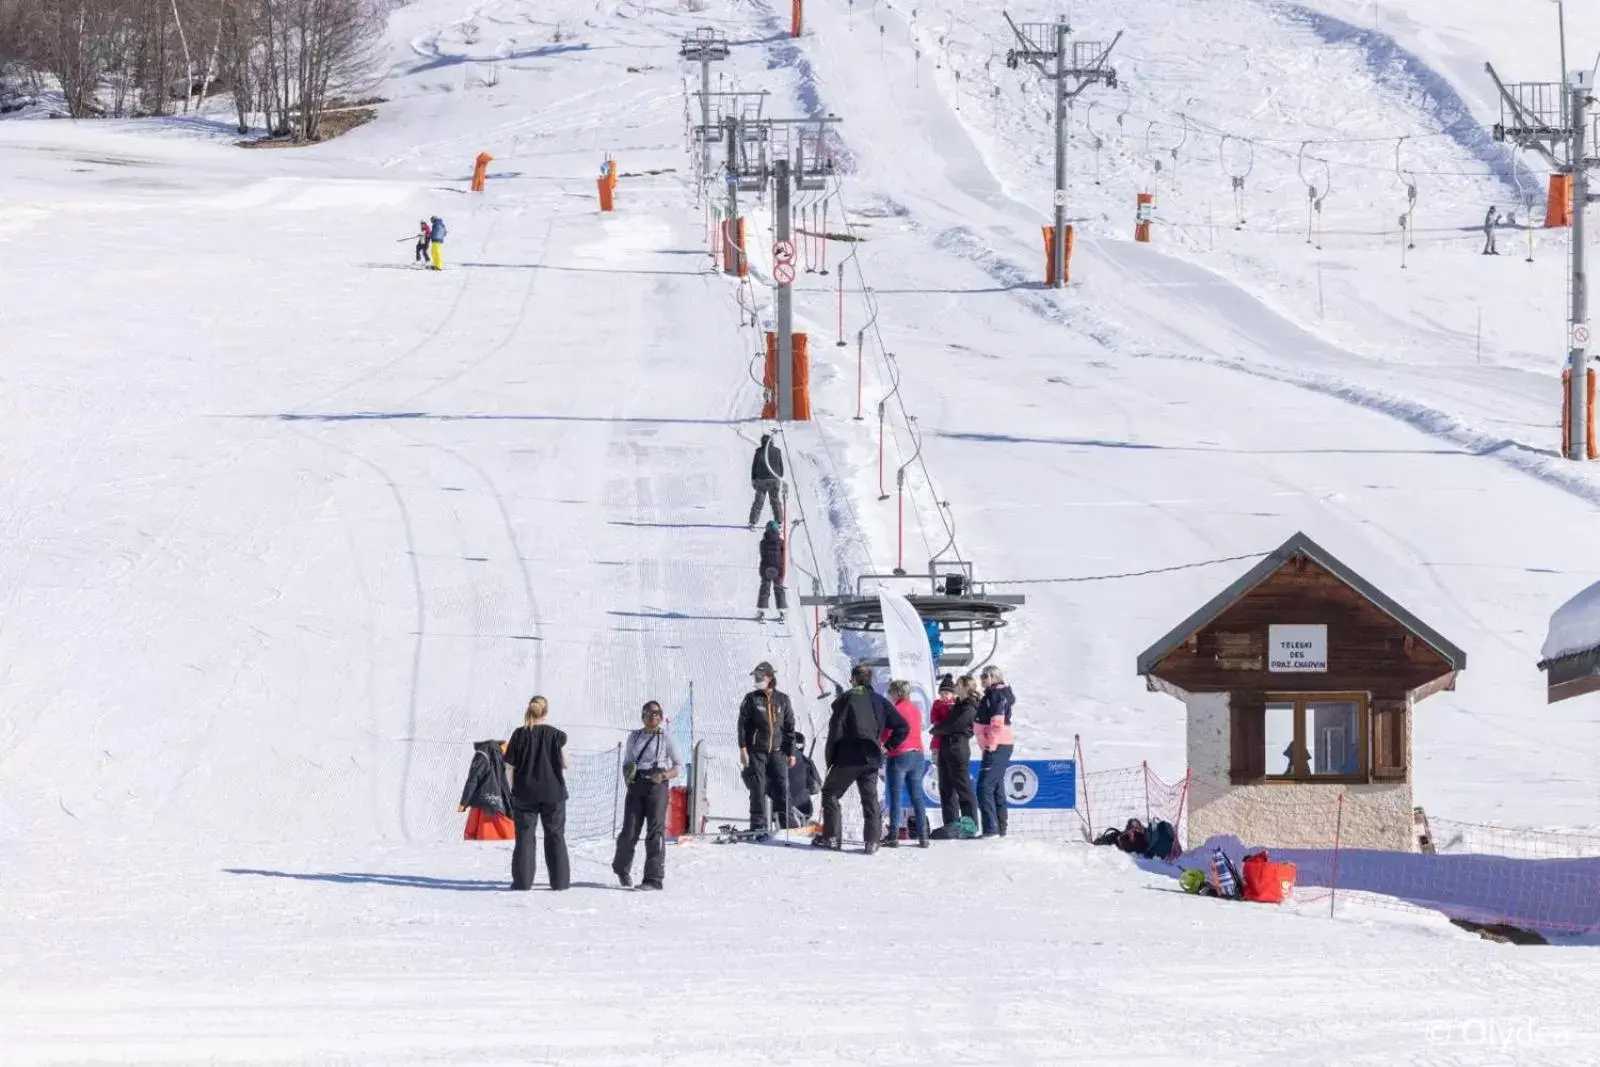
[963, 829]
[1224, 881]
[1163, 842]
[1133, 837]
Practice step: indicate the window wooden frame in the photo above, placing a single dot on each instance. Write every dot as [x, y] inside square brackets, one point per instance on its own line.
[1302, 774]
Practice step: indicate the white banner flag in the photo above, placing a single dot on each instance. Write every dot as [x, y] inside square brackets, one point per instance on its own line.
[910, 657]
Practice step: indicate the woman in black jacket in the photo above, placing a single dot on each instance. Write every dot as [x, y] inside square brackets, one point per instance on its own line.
[487, 795]
[956, 798]
[537, 756]
[772, 566]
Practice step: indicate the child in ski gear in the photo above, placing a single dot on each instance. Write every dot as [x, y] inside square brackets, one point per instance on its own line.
[906, 765]
[766, 741]
[486, 796]
[649, 761]
[766, 477]
[772, 567]
[861, 720]
[992, 728]
[954, 733]
[422, 245]
[436, 242]
[804, 781]
[537, 756]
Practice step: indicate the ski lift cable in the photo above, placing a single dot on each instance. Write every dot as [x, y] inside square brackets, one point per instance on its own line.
[946, 515]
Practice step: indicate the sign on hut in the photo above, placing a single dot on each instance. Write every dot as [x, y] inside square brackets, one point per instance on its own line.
[1299, 680]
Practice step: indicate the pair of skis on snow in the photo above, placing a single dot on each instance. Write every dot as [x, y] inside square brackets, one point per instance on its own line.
[729, 834]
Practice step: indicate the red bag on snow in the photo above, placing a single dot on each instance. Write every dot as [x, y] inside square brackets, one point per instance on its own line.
[1266, 882]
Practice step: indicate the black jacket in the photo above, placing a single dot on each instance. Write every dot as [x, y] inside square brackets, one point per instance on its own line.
[767, 463]
[766, 725]
[959, 723]
[772, 553]
[486, 786]
[855, 729]
[537, 776]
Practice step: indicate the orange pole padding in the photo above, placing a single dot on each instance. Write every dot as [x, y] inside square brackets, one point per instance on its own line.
[1146, 206]
[740, 258]
[1050, 255]
[605, 193]
[802, 377]
[1558, 208]
[1592, 445]
[480, 171]
[611, 172]
[795, 18]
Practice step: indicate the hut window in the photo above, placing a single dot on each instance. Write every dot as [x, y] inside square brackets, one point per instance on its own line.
[1314, 737]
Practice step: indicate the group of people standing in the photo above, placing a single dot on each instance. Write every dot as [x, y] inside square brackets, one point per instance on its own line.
[517, 788]
[872, 737]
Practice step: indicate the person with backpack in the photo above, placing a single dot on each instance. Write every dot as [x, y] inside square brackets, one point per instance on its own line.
[862, 723]
[423, 238]
[487, 796]
[953, 733]
[992, 727]
[766, 477]
[436, 242]
[772, 567]
[906, 765]
[650, 760]
[766, 741]
[537, 757]
[804, 782]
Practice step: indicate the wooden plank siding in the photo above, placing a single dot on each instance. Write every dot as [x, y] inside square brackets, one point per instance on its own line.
[1370, 653]
[1368, 650]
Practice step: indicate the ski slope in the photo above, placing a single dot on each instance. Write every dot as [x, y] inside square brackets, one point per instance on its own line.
[292, 523]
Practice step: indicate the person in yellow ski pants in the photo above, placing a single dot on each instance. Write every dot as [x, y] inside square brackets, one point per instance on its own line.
[436, 242]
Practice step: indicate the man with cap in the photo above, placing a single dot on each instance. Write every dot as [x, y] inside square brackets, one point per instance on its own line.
[854, 754]
[803, 782]
[766, 741]
[649, 761]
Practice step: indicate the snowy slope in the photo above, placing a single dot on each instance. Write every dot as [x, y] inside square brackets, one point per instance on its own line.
[294, 523]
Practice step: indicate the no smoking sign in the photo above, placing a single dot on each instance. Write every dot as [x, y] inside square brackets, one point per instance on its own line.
[1580, 335]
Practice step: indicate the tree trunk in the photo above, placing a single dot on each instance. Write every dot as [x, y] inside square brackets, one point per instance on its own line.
[188, 62]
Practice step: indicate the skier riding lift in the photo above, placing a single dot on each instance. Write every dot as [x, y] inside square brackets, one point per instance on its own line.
[772, 567]
[766, 477]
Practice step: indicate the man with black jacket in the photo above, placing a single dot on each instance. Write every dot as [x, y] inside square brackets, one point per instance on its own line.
[766, 477]
[955, 753]
[766, 741]
[854, 753]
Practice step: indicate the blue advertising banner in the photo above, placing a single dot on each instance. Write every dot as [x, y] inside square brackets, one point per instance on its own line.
[1031, 784]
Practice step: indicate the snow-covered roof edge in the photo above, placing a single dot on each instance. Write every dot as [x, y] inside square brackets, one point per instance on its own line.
[1574, 627]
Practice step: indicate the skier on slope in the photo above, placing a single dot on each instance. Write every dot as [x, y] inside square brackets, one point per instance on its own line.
[766, 741]
[766, 477]
[1489, 222]
[421, 251]
[436, 242]
[772, 568]
[854, 754]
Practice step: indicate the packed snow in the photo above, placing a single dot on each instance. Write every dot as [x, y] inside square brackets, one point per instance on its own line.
[292, 523]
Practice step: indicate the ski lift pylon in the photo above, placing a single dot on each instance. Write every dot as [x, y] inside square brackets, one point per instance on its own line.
[955, 600]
